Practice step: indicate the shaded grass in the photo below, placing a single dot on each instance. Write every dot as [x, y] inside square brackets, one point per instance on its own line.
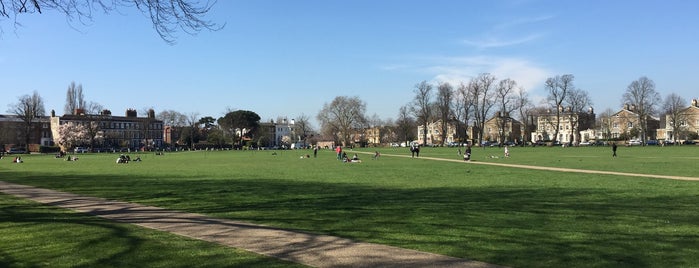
[34, 235]
[522, 218]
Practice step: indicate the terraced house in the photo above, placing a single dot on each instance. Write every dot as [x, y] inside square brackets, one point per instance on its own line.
[109, 131]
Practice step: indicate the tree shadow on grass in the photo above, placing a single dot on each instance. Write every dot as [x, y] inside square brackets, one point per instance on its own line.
[514, 226]
[35, 235]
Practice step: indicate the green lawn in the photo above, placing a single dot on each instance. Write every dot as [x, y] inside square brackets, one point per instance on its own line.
[507, 216]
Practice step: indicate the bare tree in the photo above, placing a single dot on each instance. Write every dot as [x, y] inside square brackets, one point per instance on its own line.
[642, 95]
[303, 127]
[75, 99]
[578, 101]
[675, 107]
[422, 106]
[605, 123]
[172, 118]
[558, 88]
[481, 90]
[525, 108]
[29, 108]
[193, 124]
[405, 125]
[444, 105]
[167, 17]
[506, 101]
[343, 115]
[463, 106]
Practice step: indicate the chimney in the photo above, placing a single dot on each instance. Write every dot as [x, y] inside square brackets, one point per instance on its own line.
[106, 112]
[151, 113]
[131, 113]
[79, 111]
[695, 103]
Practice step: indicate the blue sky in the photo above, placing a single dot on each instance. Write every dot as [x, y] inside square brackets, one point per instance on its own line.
[287, 58]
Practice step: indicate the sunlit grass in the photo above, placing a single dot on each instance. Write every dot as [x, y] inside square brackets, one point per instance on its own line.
[508, 216]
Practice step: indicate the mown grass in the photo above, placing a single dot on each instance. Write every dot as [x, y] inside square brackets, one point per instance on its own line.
[515, 217]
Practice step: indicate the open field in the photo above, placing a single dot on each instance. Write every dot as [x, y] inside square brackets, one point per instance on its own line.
[507, 216]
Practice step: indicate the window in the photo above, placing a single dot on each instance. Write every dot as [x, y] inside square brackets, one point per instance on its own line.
[629, 124]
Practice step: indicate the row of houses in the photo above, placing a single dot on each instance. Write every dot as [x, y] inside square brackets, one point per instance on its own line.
[105, 129]
[571, 127]
[132, 131]
[110, 131]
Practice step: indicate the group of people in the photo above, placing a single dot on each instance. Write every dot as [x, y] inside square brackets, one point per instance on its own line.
[125, 159]
[467, 153]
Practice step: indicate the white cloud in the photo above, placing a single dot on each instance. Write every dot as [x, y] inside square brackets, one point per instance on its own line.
[456, 70]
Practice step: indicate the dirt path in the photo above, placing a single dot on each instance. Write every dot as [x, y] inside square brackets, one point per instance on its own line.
[309, 249]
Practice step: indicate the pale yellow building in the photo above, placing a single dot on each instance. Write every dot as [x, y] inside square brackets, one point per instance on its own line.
[434, 133]
[570, 122]
[689, 124]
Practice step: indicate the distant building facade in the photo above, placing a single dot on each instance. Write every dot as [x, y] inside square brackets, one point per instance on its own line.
[12, 133]
[502, 123]
[689, 124]
[434, 133]
[568, 126]
[626, 123]
[128, 131]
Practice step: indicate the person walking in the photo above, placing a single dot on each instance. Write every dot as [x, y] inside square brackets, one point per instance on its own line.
[338, 150]
[614, 149]
[315, 151]
[507, 151]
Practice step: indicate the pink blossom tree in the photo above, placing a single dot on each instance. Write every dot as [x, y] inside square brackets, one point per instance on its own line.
[71, 134]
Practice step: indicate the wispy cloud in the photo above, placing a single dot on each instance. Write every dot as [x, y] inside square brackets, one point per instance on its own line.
[522, 21]
[509, 33]
[496, 42]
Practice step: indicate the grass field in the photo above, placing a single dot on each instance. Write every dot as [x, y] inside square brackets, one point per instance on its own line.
[508, 216]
